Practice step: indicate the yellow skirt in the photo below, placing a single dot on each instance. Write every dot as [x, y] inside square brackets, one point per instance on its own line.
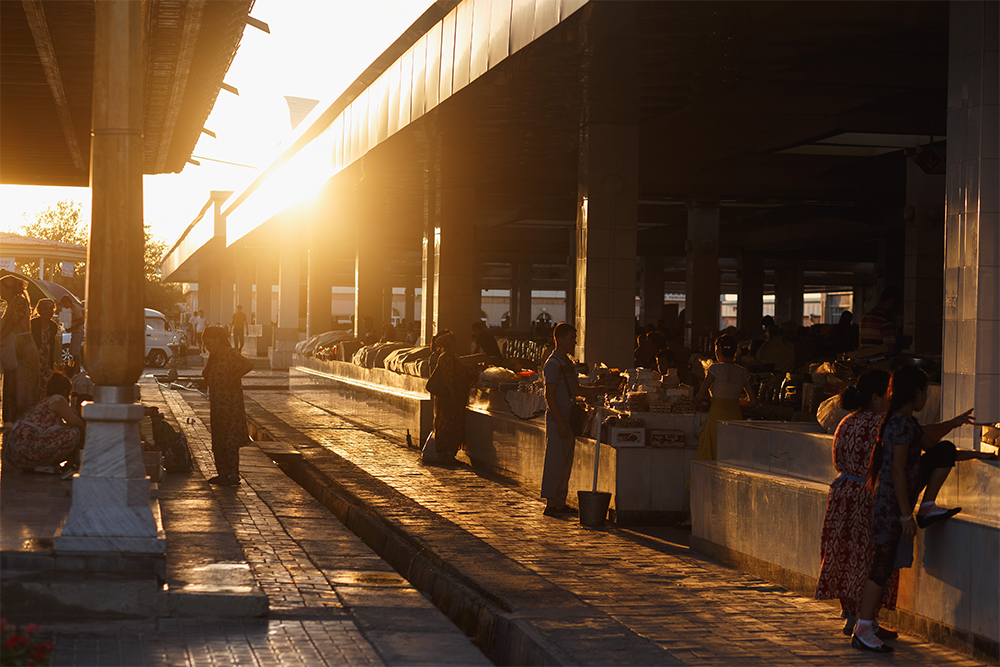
[723, 409]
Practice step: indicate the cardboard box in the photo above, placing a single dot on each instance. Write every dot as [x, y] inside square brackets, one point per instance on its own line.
[627, 437]
[665, 437]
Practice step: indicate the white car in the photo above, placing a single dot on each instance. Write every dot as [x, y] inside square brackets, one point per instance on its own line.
[162, 342]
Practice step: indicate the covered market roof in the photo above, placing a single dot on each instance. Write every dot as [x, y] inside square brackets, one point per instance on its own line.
[47, 57]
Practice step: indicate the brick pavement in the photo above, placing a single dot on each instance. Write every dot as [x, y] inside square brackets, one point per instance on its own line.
[333, 601]
[694, 610]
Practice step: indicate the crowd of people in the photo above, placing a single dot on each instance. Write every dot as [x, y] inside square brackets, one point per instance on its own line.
[42, 425]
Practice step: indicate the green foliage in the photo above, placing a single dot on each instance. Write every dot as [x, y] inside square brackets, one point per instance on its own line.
[64, 221]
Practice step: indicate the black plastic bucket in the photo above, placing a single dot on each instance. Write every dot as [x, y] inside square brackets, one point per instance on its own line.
[593, 507]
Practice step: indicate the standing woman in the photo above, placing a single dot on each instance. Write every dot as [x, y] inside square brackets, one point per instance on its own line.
[726, 380]
[21, 388]
[846, 543]
[897, 474]
[224, 376]
[44, 330]
[448, 374]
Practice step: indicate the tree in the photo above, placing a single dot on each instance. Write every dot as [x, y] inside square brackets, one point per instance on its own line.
[64, 221]
[164, 297]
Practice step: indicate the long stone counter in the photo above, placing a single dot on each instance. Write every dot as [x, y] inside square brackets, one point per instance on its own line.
[647, 483]
[760, 507]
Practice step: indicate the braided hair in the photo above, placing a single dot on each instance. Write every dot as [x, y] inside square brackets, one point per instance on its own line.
[904, 384]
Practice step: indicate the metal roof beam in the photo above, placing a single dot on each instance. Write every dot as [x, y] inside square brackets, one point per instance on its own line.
[35, 14]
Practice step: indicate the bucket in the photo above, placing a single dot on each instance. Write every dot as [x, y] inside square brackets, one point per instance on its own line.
[593, 507]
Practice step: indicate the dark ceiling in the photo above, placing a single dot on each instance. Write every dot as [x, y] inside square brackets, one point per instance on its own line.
[46, 73]
[721, 88]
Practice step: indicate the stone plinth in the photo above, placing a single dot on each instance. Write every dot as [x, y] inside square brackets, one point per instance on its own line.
[111, 505]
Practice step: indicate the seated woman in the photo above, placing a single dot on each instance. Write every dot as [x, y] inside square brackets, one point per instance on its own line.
[47, 434]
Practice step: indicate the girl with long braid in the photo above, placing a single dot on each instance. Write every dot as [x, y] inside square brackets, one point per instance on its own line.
[896, 475]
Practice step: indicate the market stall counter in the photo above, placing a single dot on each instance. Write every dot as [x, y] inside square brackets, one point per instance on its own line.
[647, 482]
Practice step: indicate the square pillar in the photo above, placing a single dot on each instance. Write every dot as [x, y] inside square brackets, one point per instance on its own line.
[788, 295]
[369, 262]
[701, 303]
[750, 287]
[319, 282]
[520, 296]
[245, 270]
[971, 353]
[453, 260]
[923, 286]
[607, 211]
[651, 290]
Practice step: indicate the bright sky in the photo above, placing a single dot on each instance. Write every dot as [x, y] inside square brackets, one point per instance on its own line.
[315, 49]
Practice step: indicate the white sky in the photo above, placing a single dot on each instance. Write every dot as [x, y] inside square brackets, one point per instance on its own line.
[315, 49]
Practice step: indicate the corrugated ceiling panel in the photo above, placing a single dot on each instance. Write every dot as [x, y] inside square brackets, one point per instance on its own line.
[499, 31]
[417, 105]
[405, 87]
[448, 55]
[394, 98]
[480, 61]
[522, 24]
[432, 71]
[463, 46]
[546, 16]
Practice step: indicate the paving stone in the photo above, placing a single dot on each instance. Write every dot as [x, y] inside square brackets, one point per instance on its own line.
[696, 610]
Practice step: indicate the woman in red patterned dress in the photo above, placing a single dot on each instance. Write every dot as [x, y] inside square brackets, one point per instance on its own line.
[224, 375]
[846, 543]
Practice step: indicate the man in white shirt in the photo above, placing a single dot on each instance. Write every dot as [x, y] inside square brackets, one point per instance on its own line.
[198, 324]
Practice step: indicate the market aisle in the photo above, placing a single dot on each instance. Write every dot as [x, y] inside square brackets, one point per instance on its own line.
[332, 600]
[695, 610]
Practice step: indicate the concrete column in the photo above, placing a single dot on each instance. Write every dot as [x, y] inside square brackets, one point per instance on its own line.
[369, 267]
[289, 277]
[428, 272]
[788, 295]
[245, 270]
[453, 260]
[651, 290]
[110, 512]
[923, 287]
[520, 296]
[227, 291]
[319, 300]
[701, 304]
[750, 309]
[206, 293]
[411, 298]
[263, 282]
[607, 211]
[971, 354]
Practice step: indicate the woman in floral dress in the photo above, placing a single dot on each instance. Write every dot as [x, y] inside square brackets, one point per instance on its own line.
[846, 543]
[21, 388]
[224, 375]
[898, 472]
[47, 434]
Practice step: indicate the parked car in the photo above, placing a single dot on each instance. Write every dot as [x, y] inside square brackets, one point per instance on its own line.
[162, 342]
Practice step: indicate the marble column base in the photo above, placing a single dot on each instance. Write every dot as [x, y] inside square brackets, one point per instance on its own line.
[111, 508]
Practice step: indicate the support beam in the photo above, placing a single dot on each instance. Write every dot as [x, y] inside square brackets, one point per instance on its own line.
[35, 14]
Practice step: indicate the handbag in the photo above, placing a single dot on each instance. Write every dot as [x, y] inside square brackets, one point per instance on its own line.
[437, 385]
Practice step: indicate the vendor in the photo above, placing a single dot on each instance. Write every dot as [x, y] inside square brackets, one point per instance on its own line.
[878, 326]
[485, 343]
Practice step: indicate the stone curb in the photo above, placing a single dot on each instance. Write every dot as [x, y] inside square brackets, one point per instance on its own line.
[504, 633]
